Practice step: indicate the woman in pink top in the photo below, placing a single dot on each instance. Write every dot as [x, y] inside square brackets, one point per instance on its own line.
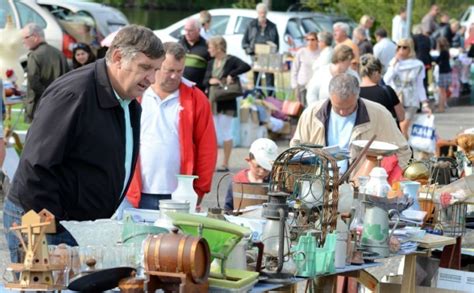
[301, 70]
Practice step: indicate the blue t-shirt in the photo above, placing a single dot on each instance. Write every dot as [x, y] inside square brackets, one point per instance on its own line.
[339, 133]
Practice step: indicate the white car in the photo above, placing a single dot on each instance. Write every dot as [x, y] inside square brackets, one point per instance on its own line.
[63, 21]
[467, 19]
[232, 23]
[27, 11]
[103, 18]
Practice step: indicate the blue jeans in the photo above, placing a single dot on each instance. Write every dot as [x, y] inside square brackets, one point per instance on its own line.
[152, 201]
[12, 214]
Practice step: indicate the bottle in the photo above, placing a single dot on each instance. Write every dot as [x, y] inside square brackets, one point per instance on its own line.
[185, 191]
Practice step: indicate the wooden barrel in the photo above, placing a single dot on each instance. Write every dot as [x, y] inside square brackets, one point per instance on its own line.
[177, 253]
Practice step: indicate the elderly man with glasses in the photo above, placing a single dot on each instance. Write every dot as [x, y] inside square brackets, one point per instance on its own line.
[45, 64]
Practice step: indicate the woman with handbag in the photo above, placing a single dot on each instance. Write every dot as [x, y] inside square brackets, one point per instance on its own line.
[370, 71]
[223, 87]
[405, 75]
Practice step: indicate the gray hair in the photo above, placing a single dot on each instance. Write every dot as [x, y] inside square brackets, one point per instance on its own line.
[261, 6]
[344, 86]
[175, 49]
[35, 29]
[343, 26]
[134, 39]
[194, 22]
[360, 31]
[326, 37]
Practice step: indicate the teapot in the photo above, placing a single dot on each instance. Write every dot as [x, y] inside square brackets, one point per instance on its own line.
[378, 184]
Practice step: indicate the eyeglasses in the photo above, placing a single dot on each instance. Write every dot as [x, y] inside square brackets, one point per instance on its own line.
[27, 37]
[403, 47]
[311, 39]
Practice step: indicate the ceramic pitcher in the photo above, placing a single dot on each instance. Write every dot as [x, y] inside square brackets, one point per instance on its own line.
[375, 235]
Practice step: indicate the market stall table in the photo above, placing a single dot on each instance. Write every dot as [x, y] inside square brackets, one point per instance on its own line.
[263, 286]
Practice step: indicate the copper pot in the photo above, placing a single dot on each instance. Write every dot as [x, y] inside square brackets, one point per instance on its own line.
[177, 253]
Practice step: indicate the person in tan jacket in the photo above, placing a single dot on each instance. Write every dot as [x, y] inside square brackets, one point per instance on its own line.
[345, 117]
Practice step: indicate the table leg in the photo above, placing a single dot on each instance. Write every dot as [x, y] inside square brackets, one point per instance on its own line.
[409, 274]
[451, 256]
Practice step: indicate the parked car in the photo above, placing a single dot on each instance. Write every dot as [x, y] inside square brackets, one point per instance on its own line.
[101, 18]
[231, 24]
[27, 11]
[64, 22]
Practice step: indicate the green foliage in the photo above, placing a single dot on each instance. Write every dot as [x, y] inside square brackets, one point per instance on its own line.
[250, 4]
[385, 10]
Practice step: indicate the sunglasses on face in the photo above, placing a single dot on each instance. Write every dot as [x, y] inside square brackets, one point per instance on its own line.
[403, 47]
[311, 39]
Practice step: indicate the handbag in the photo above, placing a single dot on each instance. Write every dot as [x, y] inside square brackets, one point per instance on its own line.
[422, 134]
[225, 91]
[292, 108]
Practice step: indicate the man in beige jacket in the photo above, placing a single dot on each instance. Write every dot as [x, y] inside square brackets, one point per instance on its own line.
[345, 117]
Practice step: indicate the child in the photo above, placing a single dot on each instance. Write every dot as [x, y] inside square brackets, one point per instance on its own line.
[262, 154]
[444, 79]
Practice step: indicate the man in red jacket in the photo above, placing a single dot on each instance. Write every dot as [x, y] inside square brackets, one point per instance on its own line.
[177, 135]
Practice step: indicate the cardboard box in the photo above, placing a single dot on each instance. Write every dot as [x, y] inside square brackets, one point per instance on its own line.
[286, 128]
[244, 115]
[265, 48]
[248, 115]
[455, 280]
[396, 288]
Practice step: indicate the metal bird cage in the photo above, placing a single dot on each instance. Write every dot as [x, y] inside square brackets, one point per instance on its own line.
[310, 176]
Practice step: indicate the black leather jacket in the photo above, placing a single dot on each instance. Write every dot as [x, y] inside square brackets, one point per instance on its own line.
[253, 36]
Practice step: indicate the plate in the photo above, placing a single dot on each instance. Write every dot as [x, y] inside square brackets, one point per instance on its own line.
[414, 215]
[377, 148]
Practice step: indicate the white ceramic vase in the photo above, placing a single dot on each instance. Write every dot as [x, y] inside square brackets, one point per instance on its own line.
[378, 184]
[185, 191]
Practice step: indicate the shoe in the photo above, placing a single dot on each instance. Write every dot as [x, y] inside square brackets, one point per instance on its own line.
[223, 169]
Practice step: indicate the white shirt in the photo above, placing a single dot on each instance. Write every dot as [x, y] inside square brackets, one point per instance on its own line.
[385, 50]
[399, 28]
[318, 86]
[406, 78]
[205, 34]
[159, 143]
[324, 58]
[301, 70]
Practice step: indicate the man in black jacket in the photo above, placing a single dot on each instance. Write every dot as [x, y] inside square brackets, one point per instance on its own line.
[82, 145]
[260, 31]
[197, 55]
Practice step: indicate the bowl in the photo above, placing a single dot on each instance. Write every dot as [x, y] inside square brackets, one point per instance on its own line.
[377, 148]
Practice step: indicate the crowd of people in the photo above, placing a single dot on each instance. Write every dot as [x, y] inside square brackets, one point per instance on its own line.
[113, 132]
